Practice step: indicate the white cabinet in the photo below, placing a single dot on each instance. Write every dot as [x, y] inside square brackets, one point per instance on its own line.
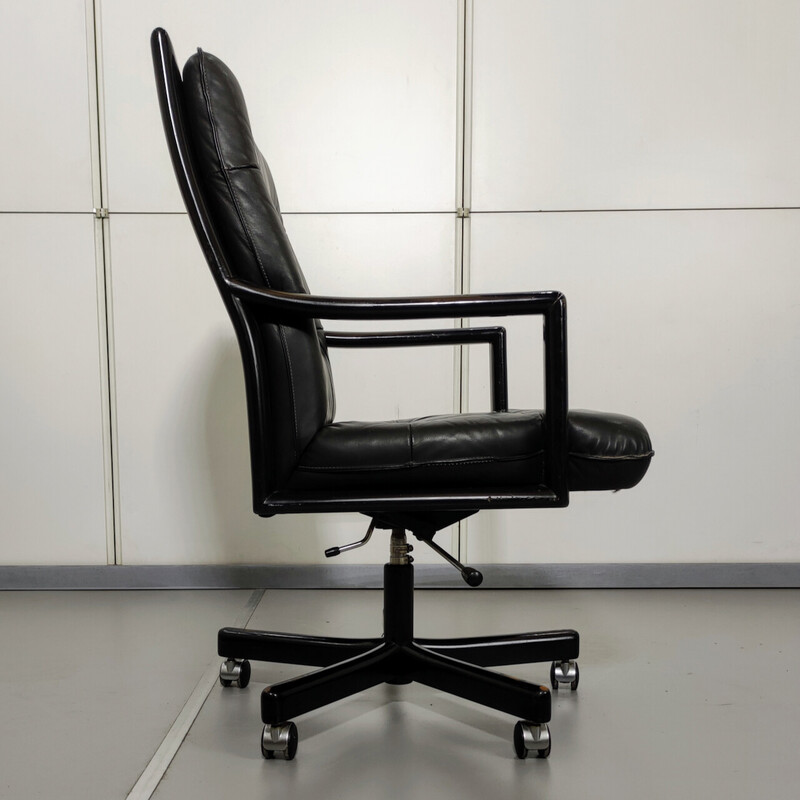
[688, 321]
[52, 491]
[184, 468]
[44, 94]
[627, 104]
[353, 103]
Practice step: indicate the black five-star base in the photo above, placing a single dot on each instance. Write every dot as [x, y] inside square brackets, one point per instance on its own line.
[349, 666]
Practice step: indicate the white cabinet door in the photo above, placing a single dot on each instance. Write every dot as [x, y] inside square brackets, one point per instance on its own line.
[184, 468]
[44, 95]
[52, 491]
[688, 321]
[353, 103]
[630, 104]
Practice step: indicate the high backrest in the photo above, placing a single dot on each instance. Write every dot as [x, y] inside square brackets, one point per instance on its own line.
[231, 198]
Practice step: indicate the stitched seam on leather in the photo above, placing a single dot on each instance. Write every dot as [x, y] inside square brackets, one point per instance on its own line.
[232, 192]
[452, 463]
[464, 461]
[285, 348]
[241, 166]
[590, 457]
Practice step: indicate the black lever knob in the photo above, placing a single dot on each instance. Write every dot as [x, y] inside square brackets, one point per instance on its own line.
[335, 551]
[472, 576]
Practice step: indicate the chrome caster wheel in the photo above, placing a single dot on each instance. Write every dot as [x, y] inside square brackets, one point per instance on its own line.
[563, 672]
[279, 741]
[531, 738]
[235, 671]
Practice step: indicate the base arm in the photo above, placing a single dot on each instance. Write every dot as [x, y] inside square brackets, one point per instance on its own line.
[518, 648]
[290, 648]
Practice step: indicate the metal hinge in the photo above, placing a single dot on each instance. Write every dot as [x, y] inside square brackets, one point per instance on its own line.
[100, 213]
[462, 213]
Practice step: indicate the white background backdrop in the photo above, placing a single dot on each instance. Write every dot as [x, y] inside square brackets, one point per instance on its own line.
[641, 157]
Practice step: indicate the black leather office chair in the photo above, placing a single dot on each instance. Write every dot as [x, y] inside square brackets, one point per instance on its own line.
[417, 475]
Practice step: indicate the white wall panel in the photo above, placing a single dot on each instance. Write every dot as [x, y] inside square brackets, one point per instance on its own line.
[181, 418]
[688, 321]
[631, 104]
[44, 94]
[684, 319]
[353, 103]
[52, 501]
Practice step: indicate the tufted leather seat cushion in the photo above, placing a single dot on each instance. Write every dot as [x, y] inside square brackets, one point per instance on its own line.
[496, 450]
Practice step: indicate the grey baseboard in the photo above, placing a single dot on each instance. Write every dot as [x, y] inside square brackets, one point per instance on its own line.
[370, 576]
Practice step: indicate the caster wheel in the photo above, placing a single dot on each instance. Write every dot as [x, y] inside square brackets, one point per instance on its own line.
[531, 738]
[235, 671]
[279, 741]
[563, 672]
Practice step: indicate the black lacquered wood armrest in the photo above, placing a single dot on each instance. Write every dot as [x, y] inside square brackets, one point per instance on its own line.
[441, 307]
[494, 336]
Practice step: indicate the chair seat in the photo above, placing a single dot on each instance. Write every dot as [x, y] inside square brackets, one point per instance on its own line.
[486, 451]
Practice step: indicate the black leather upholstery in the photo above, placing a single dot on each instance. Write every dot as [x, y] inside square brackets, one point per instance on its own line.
[241, 196]
[306, 450]
[493, 450]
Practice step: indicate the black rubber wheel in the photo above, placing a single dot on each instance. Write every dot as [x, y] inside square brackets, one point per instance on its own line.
[524, 752]
[244, 675]
[225, 682]
[291, 750]
[519, 742]
[574, 684]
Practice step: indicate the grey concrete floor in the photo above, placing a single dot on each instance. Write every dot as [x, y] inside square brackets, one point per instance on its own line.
[691, 694]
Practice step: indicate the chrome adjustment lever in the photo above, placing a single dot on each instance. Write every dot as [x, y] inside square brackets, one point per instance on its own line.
[335, 551]
[471, 575]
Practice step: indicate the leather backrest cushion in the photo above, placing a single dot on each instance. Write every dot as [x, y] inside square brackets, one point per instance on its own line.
[236, 176]
[240, 195]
